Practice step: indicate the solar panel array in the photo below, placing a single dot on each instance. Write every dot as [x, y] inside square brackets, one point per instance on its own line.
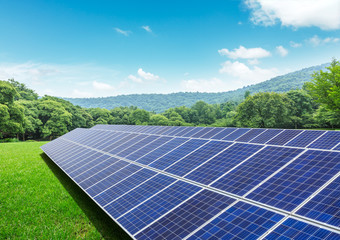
[208, 183]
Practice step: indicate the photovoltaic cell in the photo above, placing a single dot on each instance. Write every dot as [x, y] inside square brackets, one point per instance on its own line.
[327, 141]
[220, 164]
[127, 144]
[192, 131]
[177, 153]
[114, 191]
[239, 132]
[241, 221]
[101, 172]
[324, 207]
[184, 219]
[284, 137]
[223, 133]
[196, 158]
[112, 179]
[84, 167]
[137, 195]
[157, 206]
[250, 135]
[212, 133]
[160, 151]
[257, 168]
[136, 146]
[266, 136]
[202, 132]
[304, 138]
[148, 148]
[296, 182]
[295, 229]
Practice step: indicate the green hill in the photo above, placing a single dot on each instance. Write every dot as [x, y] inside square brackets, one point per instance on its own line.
[161, 102]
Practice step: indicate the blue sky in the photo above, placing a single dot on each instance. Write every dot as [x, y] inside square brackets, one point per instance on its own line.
[106, 48]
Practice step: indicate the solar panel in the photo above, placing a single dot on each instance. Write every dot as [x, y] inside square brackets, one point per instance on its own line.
[208, 183]
[295, 229]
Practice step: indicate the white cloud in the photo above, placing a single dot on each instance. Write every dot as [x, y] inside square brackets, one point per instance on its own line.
[253, 61]
[324, 14]
[80, 94]
[135, 79]
[123, 32]
[102, 86]
[282, 51]
[147, 28]
[316, 40]
[244, 75]
[242, 52]
[294, 44]
[147, 75]
[44, 77]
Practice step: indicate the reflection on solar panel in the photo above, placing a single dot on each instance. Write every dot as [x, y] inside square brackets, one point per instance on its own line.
[208, 183]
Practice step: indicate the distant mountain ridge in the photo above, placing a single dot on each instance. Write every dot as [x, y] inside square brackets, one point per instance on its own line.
[161, 102]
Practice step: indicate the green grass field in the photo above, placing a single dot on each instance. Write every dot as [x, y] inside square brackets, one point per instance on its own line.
[39, 201]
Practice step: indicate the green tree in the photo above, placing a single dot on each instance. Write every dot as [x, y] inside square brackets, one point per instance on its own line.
[24, 92]
[159, 120]
[54, 117]
[264, 110]
[325, 86]
[205, 113]
[139, 116]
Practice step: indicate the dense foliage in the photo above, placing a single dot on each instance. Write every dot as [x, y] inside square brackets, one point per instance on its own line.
[23, 115]
[161, 102]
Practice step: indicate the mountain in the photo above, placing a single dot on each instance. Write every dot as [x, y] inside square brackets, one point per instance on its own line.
[160, 102]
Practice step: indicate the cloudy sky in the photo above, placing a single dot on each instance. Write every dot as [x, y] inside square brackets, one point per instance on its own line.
[105, 48]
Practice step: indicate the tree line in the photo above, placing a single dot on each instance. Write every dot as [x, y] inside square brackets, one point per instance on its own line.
[317, 105]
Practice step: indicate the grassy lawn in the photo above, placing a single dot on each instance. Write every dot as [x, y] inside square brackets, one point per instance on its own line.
[38, 201]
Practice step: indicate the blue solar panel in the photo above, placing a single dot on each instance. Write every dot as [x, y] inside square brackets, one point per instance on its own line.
[239, 132]
[250, 135]
[327, 141]
[113, 191]
[202, 132]
[292, 185]
[294, 229]
[104, 183]
[241, 221]
[138, 145]
[148, 148]
[212, 132]
[104, 172]
[177, 153]
[284, 137]
[160, 186]
[223, 162]
[191, 132]
[137, 195]
[162, 150]
[187, 217]
[305, 138]
[196, 158]
[157, 206]
[104, 169]
[132, 140]
[266, 136]
[324, 207]
[255, 169]
[223, 133]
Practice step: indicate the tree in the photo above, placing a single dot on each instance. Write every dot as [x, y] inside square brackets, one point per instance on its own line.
[140, 116]
[264, 110]
[24, 92]
[159, 120]
[302, 107]
[54, 117]
[325, 86]
[205, 112]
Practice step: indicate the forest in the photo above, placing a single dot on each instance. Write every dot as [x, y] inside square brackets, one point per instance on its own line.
[26, 116]
[161, 102]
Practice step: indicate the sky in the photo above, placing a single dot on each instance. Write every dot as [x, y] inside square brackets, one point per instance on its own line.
[107, 48]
